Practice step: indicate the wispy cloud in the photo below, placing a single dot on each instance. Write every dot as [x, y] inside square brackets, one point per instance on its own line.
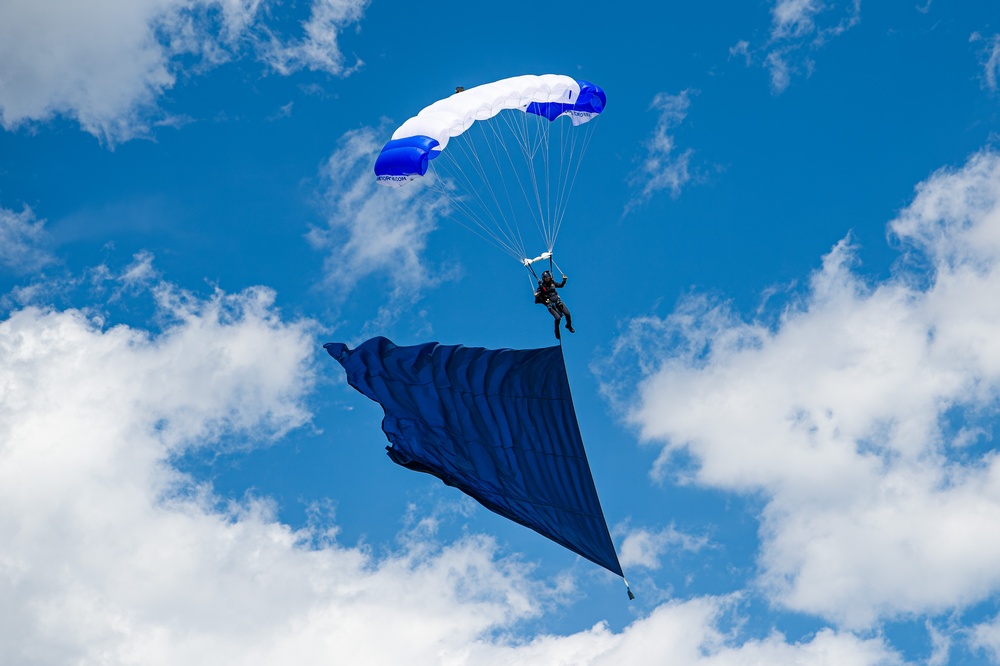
[284, 111]
[373, 233]
[986, 637]
[940, 645]
[791, 19]
[990, 55]
[22, 241]
[137, 277]
[319, 50]
[644, 548]
[842, 414]
[663, 167]
[798, 29]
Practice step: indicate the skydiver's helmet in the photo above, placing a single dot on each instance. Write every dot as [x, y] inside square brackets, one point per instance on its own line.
[547, 277]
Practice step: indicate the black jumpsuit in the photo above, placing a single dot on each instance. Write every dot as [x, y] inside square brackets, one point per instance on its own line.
[546, 293]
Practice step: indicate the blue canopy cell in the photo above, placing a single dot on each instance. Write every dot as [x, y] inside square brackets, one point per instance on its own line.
[498, 424]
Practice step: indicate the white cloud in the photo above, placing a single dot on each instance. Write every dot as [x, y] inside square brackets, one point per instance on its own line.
[986, 638]
[140, 272]
[112, 555]
[643, 548]
[799, 28]
[794, 18]
[687, 634]
[107, 63]
[319, 50]
[990, 55]
[373, 232]
[103, 63]
[741, 48]
[940, 646]
[663, 167]
[779, 69]
[22, 241]
[839, 414]
[284, 111]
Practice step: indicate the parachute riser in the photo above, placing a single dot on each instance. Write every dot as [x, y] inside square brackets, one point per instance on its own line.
[542, 257]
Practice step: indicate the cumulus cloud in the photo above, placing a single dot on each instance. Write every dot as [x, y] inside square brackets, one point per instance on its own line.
[852, 414]
[22, 241]
[112, 555]
[103, 64]
[798, 29]
[663, 167]
[688, 633]
[373, 230]
[106, 64]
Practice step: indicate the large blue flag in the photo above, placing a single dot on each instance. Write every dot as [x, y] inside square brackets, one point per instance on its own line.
[498, 424]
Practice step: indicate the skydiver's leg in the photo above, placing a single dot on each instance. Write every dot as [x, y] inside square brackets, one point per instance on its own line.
[569, 318]
[554, 310]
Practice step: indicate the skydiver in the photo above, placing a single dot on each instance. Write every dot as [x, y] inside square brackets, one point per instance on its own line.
[546, 294]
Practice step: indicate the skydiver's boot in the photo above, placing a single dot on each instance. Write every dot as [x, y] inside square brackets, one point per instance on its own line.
[558, 337]
[569, 318]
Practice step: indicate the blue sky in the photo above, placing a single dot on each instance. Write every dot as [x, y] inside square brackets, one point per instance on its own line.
[783, 253]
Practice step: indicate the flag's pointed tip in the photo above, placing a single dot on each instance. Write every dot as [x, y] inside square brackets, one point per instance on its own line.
[628, 589]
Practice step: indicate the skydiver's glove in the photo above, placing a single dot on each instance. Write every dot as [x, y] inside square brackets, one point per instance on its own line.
[564, 277]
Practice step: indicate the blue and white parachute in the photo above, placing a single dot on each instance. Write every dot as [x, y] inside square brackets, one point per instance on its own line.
[503, 153]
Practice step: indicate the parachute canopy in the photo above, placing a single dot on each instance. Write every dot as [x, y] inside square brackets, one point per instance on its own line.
[510, 167]
[498, 424]
[423, 137]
